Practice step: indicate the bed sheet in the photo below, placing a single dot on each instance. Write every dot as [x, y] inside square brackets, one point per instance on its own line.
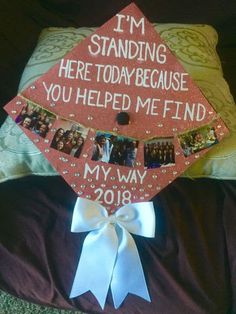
[189, 265]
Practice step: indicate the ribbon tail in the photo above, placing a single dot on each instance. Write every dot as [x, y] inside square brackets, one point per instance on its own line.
[94, 271]
[128, 276]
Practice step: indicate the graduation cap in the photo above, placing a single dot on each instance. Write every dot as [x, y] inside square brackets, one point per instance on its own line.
[118, 117]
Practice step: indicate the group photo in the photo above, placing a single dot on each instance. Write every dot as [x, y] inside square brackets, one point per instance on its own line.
[159, 152]
[197, 140]
[35, 119]
[118, 150]
[69, 138]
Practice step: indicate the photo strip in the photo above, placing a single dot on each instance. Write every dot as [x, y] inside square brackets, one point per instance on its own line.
[159, 152]
[118, 150]
[197, 140]
[36, 119]
[69, 138]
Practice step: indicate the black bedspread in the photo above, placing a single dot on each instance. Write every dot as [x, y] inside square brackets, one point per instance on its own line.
[189, 266]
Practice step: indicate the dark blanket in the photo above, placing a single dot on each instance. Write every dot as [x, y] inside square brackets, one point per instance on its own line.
[189, 266]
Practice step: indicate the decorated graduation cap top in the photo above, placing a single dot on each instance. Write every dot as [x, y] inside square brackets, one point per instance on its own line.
[118, 117]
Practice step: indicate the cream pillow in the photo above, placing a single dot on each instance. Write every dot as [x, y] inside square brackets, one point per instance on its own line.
[194, 46]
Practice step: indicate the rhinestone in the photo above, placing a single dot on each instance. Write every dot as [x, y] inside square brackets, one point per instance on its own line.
[175, 172]
[154, 176]
[90, 180]
[148, 132]
[160, 125]
[115, 129]
[85, 155]
[72, 165]
[114, 186]
[163, 171]
[52, 105]
[92, 186]
[138, 163]
[123, 187]
[187, 162]
[77, 174]
[18, 102]
[174, 129]
[73, 185]
[113, 178]
[46, 141]
[177, 153]
[170, 181]
[92, 138]
[103, 185]
[71, 115]
[80, 192]
[53, 130]
[133, 188]
[117, 204]
[222, 133]
[46, 150]
[146, 195]
[32, 87]
[197, 156]
[83, 186]
[88, 196]
[150, 186]
[90, 118]
[13, 111]
[36, 140]
[210, 112]
[142, 198]
[219, 126]
[65, 171]
[158, 188]
[141, 190]
[63, 159]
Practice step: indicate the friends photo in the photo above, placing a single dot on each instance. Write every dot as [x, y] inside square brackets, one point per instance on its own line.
[118, 150]
[159, 152]
[69, 138]
[35, 119]
[197, 140]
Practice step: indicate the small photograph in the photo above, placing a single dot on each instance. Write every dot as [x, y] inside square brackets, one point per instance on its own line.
[159, 152]
[35, 119]
[118, 150]
[69, 138]
[198, 139]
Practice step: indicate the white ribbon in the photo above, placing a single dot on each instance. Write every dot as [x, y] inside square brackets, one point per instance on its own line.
[109, 255]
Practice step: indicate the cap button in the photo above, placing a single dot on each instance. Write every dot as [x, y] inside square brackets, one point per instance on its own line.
[122, 118]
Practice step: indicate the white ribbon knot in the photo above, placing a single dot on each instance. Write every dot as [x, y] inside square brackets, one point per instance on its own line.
[109, 255]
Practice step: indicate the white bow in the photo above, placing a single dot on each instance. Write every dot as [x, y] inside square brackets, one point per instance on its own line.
[109, 255]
